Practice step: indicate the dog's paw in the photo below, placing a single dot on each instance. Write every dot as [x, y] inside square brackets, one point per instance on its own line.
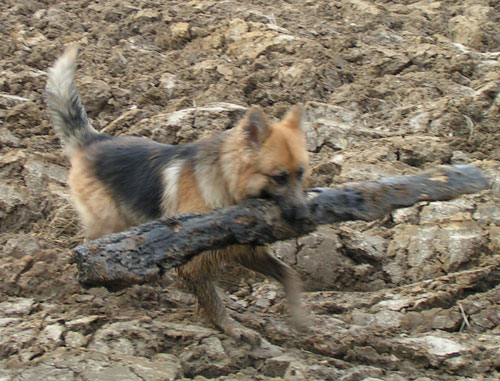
[300, 320]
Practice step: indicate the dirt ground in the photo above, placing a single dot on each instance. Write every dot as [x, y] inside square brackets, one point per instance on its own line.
[390, 88]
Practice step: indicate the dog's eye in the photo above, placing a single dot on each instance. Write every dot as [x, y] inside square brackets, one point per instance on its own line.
[281, 178]
[300, 173]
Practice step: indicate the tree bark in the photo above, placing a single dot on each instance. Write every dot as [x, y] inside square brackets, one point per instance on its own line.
[143, 253]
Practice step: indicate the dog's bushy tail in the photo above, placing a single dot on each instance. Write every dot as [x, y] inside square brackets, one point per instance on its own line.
[66, 110]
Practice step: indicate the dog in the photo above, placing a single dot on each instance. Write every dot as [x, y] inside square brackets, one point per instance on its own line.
[119, 182]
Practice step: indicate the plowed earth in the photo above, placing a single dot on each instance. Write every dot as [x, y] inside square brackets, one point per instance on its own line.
[390, 88]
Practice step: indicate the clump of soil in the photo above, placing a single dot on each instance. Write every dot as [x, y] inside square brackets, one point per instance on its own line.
[390, 88]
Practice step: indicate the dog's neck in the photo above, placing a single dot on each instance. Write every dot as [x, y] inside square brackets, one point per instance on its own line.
[211, 171]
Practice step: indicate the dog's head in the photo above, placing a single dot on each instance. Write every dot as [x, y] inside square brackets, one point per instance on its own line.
[276, 164]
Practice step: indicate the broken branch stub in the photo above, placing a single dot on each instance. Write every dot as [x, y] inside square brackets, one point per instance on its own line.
[141, 254]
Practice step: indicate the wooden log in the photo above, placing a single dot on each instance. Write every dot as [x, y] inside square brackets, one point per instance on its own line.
[143, 253]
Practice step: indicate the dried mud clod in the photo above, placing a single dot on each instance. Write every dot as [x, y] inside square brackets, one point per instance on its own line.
[390, 89]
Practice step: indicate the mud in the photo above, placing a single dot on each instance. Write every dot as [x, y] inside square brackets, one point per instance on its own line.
[390, 87]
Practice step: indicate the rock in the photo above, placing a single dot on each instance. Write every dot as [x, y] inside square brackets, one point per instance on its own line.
[8, 138]
[111, 372]
[331, 133]
[64, 364]
[362, 318]
[487, 213]
[236, 29]
[486, 319]
[384, 318]
[277, 366]
[111, 338]
[266, 350]
[190, 124]
[459, 157]
[49, 373]
[388, 61]
[326, 261]
[318, 260]
[11, 197]
[458, 363]
[82, 323]
[491, 170]
[298, 371]
[138, 338]
[208, 359]
[434, 348]
[75, 340]
[416, 151]
[364, 7]
[147, 15]
[465, 30]
[251, 45]
[322, 175]
[152, 96]
[439, 212]
[163, 367]
[17, 306]
[364, 246]
[52, 335]
[494, 235]
[95, 94]
[353, 170]
[447, 320]
[15, 338]
[388, 319]
[419, 123]
[427, 251]
[361, 372]
[395, 377]
[434, 318]
[177, 35]
[37, 173]
[21, 245]
[170, 82]
[180, 30]
[331, 126]
[407, 215]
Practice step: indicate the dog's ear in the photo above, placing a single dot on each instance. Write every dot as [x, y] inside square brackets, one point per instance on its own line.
[294, 118]
[256, 128]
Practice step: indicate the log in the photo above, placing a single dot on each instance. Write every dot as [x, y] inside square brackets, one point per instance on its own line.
[143, 253]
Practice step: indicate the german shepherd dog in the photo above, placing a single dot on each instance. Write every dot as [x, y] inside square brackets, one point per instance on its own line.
[119, 182]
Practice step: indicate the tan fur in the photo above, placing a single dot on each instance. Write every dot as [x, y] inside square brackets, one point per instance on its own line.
[98, 210]
[284, 149]
[189, 194]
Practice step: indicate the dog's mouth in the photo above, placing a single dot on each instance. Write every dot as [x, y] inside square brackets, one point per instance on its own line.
[290, 209]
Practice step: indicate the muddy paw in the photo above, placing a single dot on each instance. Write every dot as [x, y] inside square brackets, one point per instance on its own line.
[300, 320]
